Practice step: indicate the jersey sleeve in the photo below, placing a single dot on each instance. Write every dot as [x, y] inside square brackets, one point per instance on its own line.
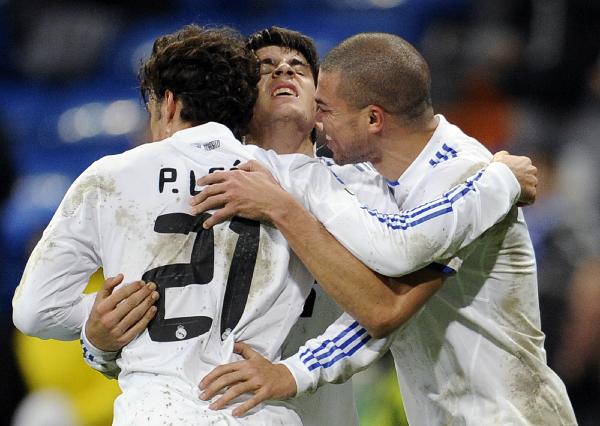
[49, 301]
[104, 362]
[344, 349]
[395, 242]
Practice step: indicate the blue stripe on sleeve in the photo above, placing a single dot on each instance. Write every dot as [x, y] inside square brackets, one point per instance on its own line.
[313, 359]
[335, 339]
[335, 347]
[342, 355]
[426, 211]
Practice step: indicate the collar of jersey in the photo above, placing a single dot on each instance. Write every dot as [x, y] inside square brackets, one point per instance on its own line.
[204, 132]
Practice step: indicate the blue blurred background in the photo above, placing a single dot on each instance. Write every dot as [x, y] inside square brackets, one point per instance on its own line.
[522, 75]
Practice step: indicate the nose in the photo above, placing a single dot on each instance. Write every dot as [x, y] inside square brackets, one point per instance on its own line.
[284, 69]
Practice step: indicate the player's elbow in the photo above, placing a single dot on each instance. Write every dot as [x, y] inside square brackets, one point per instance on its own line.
[380, 329]
[30, 317]
[384, 323]
[26, 320]
[378, 332]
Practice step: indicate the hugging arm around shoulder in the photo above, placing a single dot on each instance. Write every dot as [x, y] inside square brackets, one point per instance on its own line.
[399, 242]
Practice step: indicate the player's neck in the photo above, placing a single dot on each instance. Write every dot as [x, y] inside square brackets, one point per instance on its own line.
[401, 146]
[283, 138]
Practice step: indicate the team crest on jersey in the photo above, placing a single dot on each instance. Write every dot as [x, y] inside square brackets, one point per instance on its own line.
[208, 146]
[181, 332]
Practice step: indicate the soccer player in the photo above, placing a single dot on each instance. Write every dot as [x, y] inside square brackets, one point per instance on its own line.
[474, 354]
[237, 281]
[289, 63]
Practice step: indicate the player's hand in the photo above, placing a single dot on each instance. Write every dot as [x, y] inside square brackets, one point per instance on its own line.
[254, 375]
[250, 192]
[524, 171]
[118, 316]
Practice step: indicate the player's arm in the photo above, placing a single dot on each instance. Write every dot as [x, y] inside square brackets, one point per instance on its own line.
[392, 244]
[49, 301]
[344, 349]
[383, 245]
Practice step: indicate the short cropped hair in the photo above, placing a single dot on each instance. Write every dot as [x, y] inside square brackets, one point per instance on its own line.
[282, 37]
[210, 70]
[382, 69]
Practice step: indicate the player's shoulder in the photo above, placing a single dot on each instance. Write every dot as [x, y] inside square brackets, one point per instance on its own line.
[110, 174]
[287, 163]
[360, 178]
[448, 173]
[450, 158]
[350, 172]
[453, 146]
[140, 156]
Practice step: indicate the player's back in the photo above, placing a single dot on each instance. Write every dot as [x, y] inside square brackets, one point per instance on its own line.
[474, 354]
[235, 282]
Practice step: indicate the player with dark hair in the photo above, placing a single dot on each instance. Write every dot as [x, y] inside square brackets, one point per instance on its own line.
[288, 40]
[213, 82]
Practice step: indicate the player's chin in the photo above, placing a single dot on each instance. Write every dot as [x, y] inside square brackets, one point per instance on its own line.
[339, 157]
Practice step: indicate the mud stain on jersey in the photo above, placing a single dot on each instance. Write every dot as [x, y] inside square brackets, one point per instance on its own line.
[105, 186]
[225, 244]
[263, 268]
[130, 223]
[41, 253]
[526, 386]
[535, 394]
[468, 173]
[124, 218]
[422, 249]
[166, 249]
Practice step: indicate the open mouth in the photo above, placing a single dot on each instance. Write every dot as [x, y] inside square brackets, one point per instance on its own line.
[284, 91]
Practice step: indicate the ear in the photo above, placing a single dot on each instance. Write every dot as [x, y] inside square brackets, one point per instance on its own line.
[169, 105]
[376, 116]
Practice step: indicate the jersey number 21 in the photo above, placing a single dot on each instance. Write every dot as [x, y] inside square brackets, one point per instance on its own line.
[200, 271]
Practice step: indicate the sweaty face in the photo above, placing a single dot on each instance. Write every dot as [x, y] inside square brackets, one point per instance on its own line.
[286, 90]
[345, 126]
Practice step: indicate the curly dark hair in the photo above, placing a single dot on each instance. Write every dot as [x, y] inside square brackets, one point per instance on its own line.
[282, 37]
[210, 70]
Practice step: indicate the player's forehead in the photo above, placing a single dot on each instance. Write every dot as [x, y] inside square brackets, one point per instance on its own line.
[327, 87]
[279, 53]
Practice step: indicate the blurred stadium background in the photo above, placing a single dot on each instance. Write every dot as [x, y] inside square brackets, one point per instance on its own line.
[522, 75]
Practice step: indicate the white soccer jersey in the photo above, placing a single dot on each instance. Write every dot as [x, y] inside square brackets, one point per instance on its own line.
[331, 404]
[129, 213]
[473, 355]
